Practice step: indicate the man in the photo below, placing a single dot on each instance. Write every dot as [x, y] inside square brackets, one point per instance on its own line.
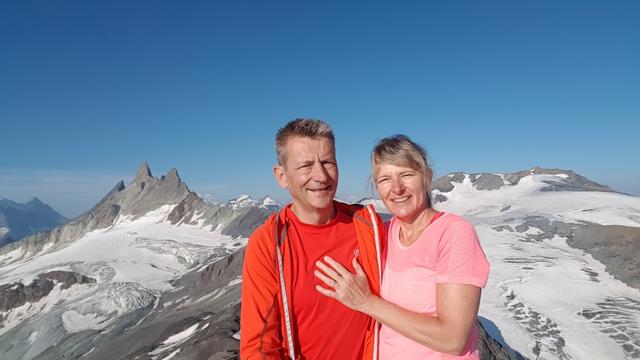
[283, 316]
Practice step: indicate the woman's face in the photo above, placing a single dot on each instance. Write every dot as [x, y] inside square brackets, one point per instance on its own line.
[402, 189]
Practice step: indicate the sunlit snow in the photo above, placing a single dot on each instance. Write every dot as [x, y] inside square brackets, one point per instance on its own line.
[133, 261]
[538, 292]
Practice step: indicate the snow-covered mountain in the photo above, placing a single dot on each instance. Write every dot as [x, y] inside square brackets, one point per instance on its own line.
[241, 201]
[565, 256]
[153, 271]
[268, 203]
[377, 204]
[244, 201]
[148, 270]
[19, 220]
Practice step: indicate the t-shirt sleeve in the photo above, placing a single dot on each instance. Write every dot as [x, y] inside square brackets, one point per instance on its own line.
[461, 259]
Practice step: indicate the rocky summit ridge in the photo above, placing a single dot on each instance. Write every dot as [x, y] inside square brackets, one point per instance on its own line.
[562, 180]
[144, 193]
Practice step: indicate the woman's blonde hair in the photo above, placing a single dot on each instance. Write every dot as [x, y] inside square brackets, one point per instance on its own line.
[399, 150]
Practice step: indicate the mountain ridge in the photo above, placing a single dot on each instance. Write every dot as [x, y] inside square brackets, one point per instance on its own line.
[22, 219]
[166, 282]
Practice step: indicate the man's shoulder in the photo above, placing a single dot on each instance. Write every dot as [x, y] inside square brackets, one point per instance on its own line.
[264, 232]
[350, 209]
[363, 213]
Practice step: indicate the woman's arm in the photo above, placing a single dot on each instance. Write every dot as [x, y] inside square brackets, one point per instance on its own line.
[445, 332]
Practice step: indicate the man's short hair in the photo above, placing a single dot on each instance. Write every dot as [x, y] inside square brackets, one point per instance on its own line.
[311, 128]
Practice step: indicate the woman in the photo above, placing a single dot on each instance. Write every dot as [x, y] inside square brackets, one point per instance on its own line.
[435, 267]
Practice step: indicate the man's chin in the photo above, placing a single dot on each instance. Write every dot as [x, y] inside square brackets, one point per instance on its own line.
[322, 203]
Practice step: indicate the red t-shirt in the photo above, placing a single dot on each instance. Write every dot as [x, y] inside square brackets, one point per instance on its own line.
[325, 328]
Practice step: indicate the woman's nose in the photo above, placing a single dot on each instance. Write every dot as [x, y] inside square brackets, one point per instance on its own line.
[397, 186]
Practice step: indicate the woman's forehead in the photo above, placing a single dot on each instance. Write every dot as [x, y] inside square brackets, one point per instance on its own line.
[386, 166]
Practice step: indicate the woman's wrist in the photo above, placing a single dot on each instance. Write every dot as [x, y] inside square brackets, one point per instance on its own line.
[369, 305]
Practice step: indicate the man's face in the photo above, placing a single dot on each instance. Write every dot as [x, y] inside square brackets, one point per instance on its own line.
[310, 173]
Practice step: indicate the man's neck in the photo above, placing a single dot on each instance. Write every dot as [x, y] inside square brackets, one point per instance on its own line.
[315, 216]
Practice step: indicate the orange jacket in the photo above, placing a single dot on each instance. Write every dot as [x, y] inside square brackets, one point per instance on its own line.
[263, 320]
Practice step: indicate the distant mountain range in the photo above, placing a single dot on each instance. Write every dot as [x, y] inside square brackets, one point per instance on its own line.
[19, 220]
[153, 270]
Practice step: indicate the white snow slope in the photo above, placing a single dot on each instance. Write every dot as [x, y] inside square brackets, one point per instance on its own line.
[539, 291]
[133, 262]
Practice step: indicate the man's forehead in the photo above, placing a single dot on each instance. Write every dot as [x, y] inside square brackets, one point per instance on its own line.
[301, 149]
[303, 142]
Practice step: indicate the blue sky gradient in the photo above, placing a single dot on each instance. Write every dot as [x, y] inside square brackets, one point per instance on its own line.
[88, 90]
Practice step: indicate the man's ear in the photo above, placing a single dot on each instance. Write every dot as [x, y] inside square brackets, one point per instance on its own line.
[278, 172]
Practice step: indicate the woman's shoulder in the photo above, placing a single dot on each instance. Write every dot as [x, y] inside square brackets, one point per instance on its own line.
[454, 221]
[450, 218]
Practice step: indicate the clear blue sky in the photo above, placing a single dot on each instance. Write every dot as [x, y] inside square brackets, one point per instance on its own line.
[88, 89]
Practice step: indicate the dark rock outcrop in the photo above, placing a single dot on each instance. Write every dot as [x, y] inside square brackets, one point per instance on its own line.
[549, 228]
[235, 221]
[16, 294]
[488, 181]
[617, 247]
[490, 349]
[247, 222]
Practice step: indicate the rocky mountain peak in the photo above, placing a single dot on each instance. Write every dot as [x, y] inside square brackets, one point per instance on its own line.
[560, 180]
[143, 173]
[243, 200]
[172, 176]
[144, 194]
[20, 220]
[268, 203]
[119, 186]
[34, 200]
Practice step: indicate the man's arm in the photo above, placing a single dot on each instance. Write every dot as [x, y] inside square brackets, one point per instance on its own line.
[260, 335]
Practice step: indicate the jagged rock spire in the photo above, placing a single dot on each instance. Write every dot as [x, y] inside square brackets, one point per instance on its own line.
[172, 175]
[35, 200]
[119, 187]
[143, 172]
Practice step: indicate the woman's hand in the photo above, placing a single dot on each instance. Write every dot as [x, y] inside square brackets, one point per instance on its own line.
[350, 289]
[446, 332]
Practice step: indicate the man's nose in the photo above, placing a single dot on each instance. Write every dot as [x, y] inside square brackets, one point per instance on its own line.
[319, 173]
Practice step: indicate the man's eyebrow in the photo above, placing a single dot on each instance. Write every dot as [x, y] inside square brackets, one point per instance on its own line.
[330, 157]
[303, 162]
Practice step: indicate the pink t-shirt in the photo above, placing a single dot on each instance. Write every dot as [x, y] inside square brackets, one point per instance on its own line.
[448, 251]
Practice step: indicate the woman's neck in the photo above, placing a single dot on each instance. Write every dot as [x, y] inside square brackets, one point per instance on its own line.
[411, 229]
